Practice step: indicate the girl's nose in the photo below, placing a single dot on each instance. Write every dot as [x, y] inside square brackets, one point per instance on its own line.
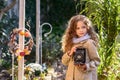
[80, 29]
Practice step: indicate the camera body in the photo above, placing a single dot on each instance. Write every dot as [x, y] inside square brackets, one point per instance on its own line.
[80, 56]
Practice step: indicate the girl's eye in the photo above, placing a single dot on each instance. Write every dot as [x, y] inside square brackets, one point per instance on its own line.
[83, 27]
[77, 28]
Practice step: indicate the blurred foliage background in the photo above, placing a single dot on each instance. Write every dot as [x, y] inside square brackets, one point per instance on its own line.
[105, 15]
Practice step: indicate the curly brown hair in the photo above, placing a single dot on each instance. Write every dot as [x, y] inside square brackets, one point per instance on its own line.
[70, 31]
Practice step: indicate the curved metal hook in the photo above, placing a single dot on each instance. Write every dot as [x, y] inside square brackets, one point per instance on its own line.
[49, 26]
[45, 36]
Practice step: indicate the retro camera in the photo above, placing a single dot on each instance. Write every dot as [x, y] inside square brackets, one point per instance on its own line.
[80, 56]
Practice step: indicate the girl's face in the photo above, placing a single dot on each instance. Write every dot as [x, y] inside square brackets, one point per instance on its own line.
[81, 29]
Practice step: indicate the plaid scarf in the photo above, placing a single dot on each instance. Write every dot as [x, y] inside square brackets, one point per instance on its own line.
[77, 40]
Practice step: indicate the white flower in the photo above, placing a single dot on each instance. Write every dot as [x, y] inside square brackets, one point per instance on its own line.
[35, 66]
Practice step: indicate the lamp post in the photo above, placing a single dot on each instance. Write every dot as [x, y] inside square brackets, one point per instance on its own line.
[21, 39]
[40, 34]
[37, 29]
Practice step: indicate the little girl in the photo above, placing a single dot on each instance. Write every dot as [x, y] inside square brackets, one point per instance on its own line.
[80, 33]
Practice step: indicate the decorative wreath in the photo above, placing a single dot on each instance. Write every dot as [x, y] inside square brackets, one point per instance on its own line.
[14, 46]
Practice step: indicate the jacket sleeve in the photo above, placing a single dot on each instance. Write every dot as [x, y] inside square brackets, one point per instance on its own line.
[65, 59]
[93, 55]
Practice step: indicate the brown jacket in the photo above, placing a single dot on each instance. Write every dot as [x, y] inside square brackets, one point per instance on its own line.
[92, 61]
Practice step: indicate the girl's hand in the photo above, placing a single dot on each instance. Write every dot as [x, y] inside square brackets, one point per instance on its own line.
[73, 49]
[83, 67]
